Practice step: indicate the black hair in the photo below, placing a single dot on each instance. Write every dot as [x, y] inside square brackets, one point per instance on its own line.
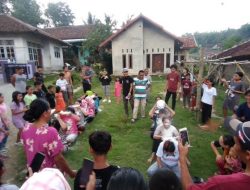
[18, 68]
[158, 97]
[100, 142]
[36, 109]
[169, 146]
[28, 87]
[61, 75]
[164, 179]
[39, 67]
[58, 89]
[211, 80]
[1, 94]
[14, 97]
[37, 83]
[127, 179]
[141, 71]
[247, 92]
[173, 67]
[64, 66]
[240, 74]
[228, 140]
[50, 86]
[186, 69]
[71, 109]
[164, 118]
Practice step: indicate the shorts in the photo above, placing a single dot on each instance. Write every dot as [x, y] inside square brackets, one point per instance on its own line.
[70, 88]
[230, 103]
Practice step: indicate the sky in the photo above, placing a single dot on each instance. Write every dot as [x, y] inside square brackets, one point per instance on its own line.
[176, 16]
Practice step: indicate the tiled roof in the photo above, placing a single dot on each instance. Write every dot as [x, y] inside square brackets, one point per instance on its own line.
[188, 42]
[9, 24]
[104, 43]
[70, 32]
[236, 51]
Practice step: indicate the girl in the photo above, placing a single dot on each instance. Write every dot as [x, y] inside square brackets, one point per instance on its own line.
[118, 89]
[17, 109]
[208, 98]
[37, 136]
[105, 80]
[29, 97]
[60, 104]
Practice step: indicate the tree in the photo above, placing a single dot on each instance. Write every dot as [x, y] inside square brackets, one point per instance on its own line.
[4, 8]
[60, 14]
[27, 11]
[91, 20]
[230, 42]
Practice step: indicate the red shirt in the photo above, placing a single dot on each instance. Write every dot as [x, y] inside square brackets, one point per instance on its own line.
[186, 86]
[238, 181]
[173, 79]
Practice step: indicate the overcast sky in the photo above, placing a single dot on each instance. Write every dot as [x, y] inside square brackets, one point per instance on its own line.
[176, 16]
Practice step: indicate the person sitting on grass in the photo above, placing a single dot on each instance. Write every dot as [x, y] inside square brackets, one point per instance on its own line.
[243, 112]
[167, 157]
[226, 142]
[234, 181]
[5, 186]
[29, 97]
[100, 143]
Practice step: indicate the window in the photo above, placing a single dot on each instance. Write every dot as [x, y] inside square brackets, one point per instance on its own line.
[163, 49]
[148, 60]
[122, 50]
[33, 52]
[131, 50]
[152, 50]
[167, 60]
[175, 58]
[7, 49]
[127, 50]
[182, 58]
[147, 50]
[158, 50]
[130, 63]
[57, 52]
[169, 49]
[124, 65]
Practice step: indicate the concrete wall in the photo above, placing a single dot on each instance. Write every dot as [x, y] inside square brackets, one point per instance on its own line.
[131, 39]
[157, 42]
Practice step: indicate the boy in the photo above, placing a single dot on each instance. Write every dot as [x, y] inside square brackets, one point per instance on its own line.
[38, 90]
[50, 96]
[62, 83]
[100, 144]
[29, 97]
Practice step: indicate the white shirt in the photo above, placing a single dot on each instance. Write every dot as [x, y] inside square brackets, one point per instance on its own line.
[169, 160]
[166, 133]
[62, 83]
[208, 94]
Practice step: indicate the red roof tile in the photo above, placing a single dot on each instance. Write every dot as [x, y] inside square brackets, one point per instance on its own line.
[188, 42]
[70, 32]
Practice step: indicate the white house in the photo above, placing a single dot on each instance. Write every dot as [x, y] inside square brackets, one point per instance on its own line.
[142, 43]
[23, 43]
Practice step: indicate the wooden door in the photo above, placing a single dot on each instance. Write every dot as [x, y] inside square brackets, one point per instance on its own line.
[39, 58]
[158, 63]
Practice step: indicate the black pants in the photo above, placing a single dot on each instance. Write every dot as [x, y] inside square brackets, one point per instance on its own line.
[168, 94]
[86, 87]
[206, 112]
[156, 143]
[125, 103]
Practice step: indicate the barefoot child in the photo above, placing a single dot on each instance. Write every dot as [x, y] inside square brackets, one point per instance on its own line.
[29, 97]
[118, 90]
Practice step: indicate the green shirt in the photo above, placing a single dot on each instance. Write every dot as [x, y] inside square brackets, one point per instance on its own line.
[29, 98]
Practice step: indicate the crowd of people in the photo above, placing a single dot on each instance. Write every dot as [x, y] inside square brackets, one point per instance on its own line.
[49, 122]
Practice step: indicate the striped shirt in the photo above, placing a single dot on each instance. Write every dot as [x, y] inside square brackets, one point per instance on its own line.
[140, 87]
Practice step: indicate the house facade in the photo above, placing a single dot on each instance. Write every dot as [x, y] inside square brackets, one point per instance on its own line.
[143, 44]
[23, 43]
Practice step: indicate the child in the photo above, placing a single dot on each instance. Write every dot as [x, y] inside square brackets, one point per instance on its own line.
[105, 80]
[18, 108]
[118, 89]
[62, 83]
[60, 104]
[38, 90]
[29, 97]
[4, 126]
[186, 89]
[50, 96]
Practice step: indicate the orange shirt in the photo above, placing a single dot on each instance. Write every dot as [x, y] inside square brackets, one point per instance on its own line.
[60, 104]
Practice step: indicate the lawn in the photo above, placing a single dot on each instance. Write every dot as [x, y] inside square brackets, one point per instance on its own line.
[131, 142]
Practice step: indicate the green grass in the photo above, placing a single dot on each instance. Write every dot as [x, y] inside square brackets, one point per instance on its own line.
[131, 142]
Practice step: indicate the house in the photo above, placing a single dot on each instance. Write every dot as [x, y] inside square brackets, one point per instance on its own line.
[74, 35]
[22, 43]
[142, 43]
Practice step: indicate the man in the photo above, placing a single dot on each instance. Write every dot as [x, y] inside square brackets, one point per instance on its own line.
[140, 94]
[172, 84]
[234, 90]
[86, 76]
[149, 88]
[127, 90]
[239, 180]
[68, 78]
[243, 112]
[38, 77]
[100, 144]
[18, 80]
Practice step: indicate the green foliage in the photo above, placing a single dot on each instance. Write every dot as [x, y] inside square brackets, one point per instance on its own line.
[230, 42]
[27, 11]
[60, 14]
[4, 8]
[91, 20]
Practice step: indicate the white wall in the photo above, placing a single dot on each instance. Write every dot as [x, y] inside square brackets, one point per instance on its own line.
[55, 63]
[129, 39]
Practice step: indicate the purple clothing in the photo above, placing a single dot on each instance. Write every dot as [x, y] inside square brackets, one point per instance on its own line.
[45, 140]
[17, 119]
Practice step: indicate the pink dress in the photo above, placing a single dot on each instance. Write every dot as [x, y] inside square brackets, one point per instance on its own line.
[71, 123]
[118, 89]
[45, 140]
[18, 120]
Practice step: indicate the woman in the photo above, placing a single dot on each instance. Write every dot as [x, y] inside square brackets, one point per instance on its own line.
[37, 136]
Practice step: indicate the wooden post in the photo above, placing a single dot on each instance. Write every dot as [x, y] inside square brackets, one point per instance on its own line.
[200, 80]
